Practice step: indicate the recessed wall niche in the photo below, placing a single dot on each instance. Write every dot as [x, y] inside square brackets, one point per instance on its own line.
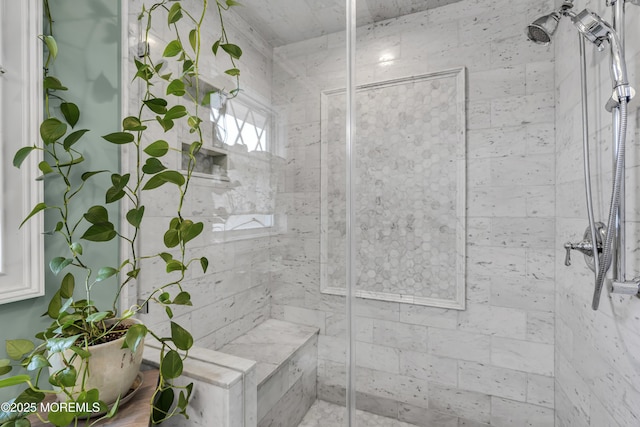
[409, 190]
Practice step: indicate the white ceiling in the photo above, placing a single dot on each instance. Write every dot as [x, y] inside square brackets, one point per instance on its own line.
[281, 22]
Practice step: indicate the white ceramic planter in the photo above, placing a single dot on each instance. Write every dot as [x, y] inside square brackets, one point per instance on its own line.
[112, 369]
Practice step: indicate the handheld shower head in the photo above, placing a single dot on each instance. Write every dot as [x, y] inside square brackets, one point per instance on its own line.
[597, 30]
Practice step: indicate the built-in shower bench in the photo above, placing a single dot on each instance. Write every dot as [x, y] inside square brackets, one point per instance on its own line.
[266, 377]
[286, 356]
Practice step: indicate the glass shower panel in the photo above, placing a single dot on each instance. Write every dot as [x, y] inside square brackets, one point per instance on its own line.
[409, 207]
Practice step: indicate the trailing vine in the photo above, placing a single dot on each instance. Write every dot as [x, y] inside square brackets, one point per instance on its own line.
[77, 324]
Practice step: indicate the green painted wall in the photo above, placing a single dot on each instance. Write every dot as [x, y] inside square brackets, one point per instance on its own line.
[88, 35]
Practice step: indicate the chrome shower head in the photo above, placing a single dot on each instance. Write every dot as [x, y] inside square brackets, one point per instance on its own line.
[597, 31]
[541, 30]
[592, 27]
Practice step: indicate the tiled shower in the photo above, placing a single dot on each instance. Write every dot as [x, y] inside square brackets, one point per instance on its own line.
[469, 181]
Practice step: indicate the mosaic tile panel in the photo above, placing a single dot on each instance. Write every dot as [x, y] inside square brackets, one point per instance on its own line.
[409, 190]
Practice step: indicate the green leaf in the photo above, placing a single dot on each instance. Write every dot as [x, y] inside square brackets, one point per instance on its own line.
[64, 308]
[116, 192]
[162, 405]
[157, 149]
[75, 161]
[175, 14]
[51, 130]
[73, 137]
[39, 207]
[233, 50]
[166, 124]
[113, 195]
[194, 122]
[176, 87]
[97, 317]
[181, 337]
[231, 3]
[59, 263]
[176, 112]
[233, 72]
[11, 381]
[71, 112]
[65, 377]
[37, 361]
[171, 239]
[55, 304]
[52, 46]
[30, 396]
[166, 256]
[188, 68]
[171, 365]
[84, 354]
[86, 400]
[76, 248]
[56, 345]
[61, 418]
[182, 401]
[133, 124]
[119, 137]
[165, 298]
[21, 155]
[105, 272]
[97, 214]
[153, 166]
[133, 273]
[169, 312]
[134, 337]
[189, 230]
[193, 39]
[204, 263]
[134, 216]
[163, 177]
[45, 167]
[145, 72]
[100, 232]
[67, 286]
[194, 148]
[215, 47]
[16, 349]
[157, 105]
[6, 369]
[175, 265]
[52, 83]
[87, 175]
[183, 298]
[114, 408]
[173, 48]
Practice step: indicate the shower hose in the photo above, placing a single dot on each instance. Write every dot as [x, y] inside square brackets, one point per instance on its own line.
[618, 176]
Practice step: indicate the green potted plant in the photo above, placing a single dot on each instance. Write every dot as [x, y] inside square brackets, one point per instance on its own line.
[82, 336]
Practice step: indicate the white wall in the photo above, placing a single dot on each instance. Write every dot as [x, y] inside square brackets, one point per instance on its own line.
[597, 352]
[492, 363]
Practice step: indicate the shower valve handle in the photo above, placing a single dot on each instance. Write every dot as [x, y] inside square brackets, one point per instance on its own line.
[584, 246]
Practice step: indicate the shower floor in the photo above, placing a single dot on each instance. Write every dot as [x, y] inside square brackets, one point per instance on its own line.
[325, 414]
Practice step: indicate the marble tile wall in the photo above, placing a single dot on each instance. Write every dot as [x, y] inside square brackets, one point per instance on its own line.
[409, 202]
[233, 296]
[597, 358]
[493, 363]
